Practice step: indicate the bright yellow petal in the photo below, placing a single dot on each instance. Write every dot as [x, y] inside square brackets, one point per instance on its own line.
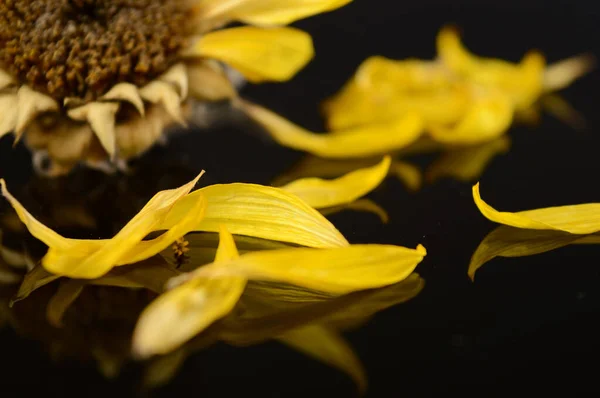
[264, 12]
[320, 193]
[328, 347]
[489, 117]
[507, 241]
[574, 219]
[359, 142]
[340, 270]
[261, 212]
[188, 309]
[275, 54]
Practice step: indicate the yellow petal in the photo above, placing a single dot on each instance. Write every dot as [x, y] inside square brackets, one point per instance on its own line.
[489, 117]
[32, 281]
[365, 205]
[328, 347]
[183, 312]
[320, 193]
[507, 241]
[209, 82]
[163, 93]
[264, 12]
[261, 212]
[563, 111]
[8, 117]
[5, 80]
[101, 117]
[574, 219]
[152, 274]
[563, 73]
[177, 76]
[275, 54]
[126, 92]
[467, 163]
[67, 293]
[408, 173]
[359, 142]
[340, 270]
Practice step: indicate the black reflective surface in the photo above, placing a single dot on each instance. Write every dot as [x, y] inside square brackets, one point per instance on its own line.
[526, 325]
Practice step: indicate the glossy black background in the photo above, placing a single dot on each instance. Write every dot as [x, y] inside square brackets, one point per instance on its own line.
[527, 325]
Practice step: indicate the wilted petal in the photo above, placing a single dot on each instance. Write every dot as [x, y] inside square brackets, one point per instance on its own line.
[275, 54]
[101, 117]
[574, 219]
[67, 293]
[163, 93]
[32, 281]
[262, 212]
[5, 80]
[177, 75]
[563, 111]
[360, 142]
[126, 92]
[188, 309]
[209, 82]
[563, 73]
[507, 241]
[320, 193]
[8, 116]
[339, 270]
[31, 104]
[264, 12]
[328, 347]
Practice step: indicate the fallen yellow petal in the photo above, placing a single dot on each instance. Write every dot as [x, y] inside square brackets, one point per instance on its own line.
[320, 193]
[261, 212]
[328, 347]
[264, 12]
[339, 270]
[67, 293]
[364, 205]
[360, 142]
[183, 312]
[274, 54]
[574, 219]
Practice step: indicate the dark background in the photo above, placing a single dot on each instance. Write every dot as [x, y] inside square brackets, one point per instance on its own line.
[526, 326]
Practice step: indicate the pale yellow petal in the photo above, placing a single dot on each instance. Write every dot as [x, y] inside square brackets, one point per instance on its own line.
[261, 212]
[65, 296]
[163, 93]
[264, 12]
[363, 205]
[328, 347]
[92, 259]
[177, 76]
[563, 111]
[126, 92]
[152, 274]
[209, 82]
[32, 281]
[574, 219]
[408, 173]
[563, 73]
[489, 117]
[320, 193]
[188, 309]
[339, 270]
[360, 142]
[275, 54]
[101, 117]
[8, 116]
[507, 241]
[31, 104]
[5, 80]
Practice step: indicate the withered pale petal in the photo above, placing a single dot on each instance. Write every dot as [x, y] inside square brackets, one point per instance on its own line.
[563, 73]
[126, 92]
[10, 110]
[262, 212]
[320, 193]
[163, 93]
[67, 293]
[359, 142]
[338, 270]
[31, 104]
[32, 281]
[265, 12]
[101, 117]
[5, 80]
[506, 241]
[328, 347]
[574, 219]
[177, 75]
[274, 54]
[209, 82]
[188, 309]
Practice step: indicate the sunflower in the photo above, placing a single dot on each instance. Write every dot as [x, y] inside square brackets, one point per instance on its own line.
[99, 82]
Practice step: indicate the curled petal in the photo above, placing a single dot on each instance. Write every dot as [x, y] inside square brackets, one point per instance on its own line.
[67, 293]
[339, 270]
[5, 80]
[101, 117]
[321, 193]
[359, 142]
[329, 347]
[30, 105]
[8, 117]
[574, 219]
[163, 93]
[188, 309]
[275, 54]
[261, 212]
[209, 82]
[264, 12]
[126, 92]
[177, 76]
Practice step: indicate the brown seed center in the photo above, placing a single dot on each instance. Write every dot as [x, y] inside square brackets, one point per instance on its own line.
[81, 48]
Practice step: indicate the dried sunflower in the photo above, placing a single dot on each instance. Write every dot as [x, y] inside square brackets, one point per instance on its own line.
[101, 81]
